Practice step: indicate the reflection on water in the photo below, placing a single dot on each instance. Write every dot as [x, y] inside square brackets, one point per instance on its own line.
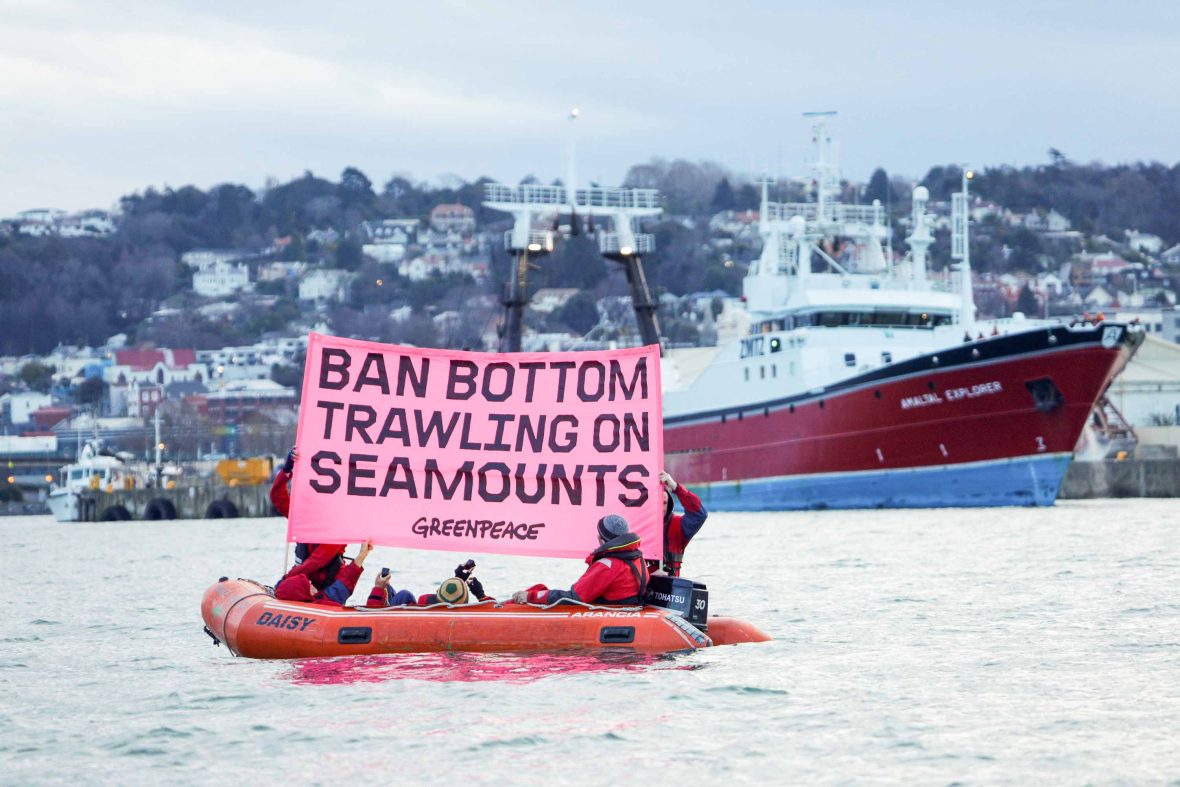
[472, 667]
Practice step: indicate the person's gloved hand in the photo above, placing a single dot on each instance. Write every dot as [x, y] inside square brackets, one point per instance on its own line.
[289, 465]
[476, 587]
[520, 597]
[668, 481]
[463, 570]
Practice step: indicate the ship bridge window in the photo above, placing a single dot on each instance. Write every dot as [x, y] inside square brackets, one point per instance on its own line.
[850, 359]
[886, 318]
[75, 475]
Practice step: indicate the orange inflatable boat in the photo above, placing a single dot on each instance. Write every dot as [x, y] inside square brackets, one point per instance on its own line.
[251, 622]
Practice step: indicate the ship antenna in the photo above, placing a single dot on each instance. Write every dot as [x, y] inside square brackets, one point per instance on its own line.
[572, 171]
[961, 250]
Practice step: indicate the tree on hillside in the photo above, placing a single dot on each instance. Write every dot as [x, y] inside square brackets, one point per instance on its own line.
[403, 199]
[234, 214]
[289, 203]
[1027, 302]
[580, 312]
[355, 190]
[943, 181]
[879, 188]
[723, 196]
[349, 254]
[90, 391]
[37, 375]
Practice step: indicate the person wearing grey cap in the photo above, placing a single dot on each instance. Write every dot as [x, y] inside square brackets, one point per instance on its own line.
[617, 574]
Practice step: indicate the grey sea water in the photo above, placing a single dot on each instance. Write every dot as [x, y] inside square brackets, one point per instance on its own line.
[930, 647]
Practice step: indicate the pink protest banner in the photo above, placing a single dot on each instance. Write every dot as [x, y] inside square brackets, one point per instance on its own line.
[516, 453]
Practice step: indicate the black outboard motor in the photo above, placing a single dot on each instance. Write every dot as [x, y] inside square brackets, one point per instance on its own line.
[688, 599]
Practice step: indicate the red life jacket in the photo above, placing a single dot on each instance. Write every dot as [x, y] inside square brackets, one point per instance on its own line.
[631, 556]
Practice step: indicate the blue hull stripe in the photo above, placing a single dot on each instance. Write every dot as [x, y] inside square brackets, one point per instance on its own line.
[1020, 481]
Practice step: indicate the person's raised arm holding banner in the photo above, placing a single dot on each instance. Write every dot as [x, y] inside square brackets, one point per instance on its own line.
[318, 562]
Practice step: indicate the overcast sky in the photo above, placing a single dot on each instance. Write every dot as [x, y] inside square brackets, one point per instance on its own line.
[99, 99]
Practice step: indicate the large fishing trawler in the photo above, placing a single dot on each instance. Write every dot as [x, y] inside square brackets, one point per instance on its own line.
[864, 381]
[868, 382]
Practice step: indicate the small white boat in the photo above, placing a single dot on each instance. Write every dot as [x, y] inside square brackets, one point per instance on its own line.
[96, 470]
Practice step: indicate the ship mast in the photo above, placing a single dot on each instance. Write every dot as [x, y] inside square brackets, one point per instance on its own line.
[919, 238]
[621, 243]
[961, 250]
[826, 167]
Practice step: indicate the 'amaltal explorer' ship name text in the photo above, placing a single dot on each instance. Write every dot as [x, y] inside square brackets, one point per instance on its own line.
[951, 395]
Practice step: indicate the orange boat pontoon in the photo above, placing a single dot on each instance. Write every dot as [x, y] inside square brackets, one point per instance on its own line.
[251, 622]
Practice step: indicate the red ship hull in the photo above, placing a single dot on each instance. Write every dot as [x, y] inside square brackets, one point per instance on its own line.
[992, 422]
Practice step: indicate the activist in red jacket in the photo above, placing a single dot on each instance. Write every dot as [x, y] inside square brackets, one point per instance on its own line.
[319, 562]
[300, 588]
[280, 498]
[617, 572]
[678, 529]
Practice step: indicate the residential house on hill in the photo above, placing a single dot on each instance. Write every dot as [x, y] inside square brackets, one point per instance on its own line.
[325, 284]
[1098, 298]
[1055, 222]
[38, 222]
[198, 258]
[388, 240]
[154, 365]
[426, 265]
[1144, 242]
[550, 299]
[88, 224]
[281, 271]
[221, 278]
[17, 408]
[453, 217]
[324, 237]
[983, 209]
[234, 401]
[1103, 266]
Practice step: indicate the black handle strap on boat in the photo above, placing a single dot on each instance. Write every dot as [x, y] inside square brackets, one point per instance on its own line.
[225, 617]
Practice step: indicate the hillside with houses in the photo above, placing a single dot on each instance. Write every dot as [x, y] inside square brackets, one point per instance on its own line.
[199, 302]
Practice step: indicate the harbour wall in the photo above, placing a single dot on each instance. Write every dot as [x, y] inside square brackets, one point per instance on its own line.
[1127, 478]
[188, 501]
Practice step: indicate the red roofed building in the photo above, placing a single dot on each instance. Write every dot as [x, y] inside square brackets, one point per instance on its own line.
[460, 218]
[1108, 265]
[46, 418]
[154, 366]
